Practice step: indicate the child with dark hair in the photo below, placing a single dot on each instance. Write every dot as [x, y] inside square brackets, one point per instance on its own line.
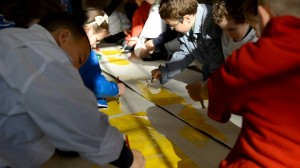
[138, 21]
[43, 93]
[228, 14]
[200, 38]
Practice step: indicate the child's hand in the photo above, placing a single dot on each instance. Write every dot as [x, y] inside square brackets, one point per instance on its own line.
[138, 159]
[150, 46]
[127, 32]
[121, 89]
[156, 74]
[194, 90]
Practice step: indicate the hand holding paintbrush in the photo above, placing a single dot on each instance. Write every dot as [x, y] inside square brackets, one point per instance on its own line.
[121, 89]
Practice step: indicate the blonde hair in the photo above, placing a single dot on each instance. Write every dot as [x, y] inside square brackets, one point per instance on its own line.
[282, 7]
[96, 18]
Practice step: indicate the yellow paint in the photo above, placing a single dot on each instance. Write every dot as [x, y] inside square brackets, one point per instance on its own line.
[109, 52]
[156, 148]
[163, 97]
[113, 107]
[194, 117]
[194, 136]
[117, 61]
[159, 96]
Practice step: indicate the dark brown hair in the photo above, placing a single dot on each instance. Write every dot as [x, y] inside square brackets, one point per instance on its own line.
[57, 20]
[229, 10]
[250, 12]
[176, 9]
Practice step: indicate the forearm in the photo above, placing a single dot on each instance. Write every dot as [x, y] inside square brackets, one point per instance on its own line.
[177, 64]
[106, 88]
[165, 37]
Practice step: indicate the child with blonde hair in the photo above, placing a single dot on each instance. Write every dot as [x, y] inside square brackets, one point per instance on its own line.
[96, 27]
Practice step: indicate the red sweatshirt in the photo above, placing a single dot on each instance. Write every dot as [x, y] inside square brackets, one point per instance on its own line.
[261, 82]
[139, 19]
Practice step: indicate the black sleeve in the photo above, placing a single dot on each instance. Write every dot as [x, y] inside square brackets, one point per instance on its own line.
[165, 37]
[125, 159]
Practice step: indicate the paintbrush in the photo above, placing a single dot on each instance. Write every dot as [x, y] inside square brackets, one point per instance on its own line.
[150, 83]
[123, 50]
[127, 141]
[202, 104]
[118, 96]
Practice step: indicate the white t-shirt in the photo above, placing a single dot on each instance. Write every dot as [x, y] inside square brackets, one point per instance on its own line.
[228, 45]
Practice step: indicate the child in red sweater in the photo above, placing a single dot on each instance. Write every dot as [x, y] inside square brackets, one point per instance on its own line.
[138, 21]
[260, 81]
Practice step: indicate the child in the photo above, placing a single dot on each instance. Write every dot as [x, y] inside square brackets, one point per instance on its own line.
[138, 21]
[96, 28]
[260, 81]
[156, 42]
[228, 15]
[200, 38]
[162, 47]
[118, 25]
[45, 105]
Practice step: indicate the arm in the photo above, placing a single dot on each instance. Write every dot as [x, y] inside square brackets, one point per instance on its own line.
[92, 77]
[180, 60]
[65, 111]
[229, 87]
[198, 91]
[165, 37]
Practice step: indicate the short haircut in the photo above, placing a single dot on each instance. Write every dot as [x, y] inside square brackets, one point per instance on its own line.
[230, 10]
[250, 12]
[176, 9]
[57, 20]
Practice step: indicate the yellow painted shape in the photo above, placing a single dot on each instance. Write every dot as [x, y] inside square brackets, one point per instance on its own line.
[194, 136]
[163, 97]
[159, 96]
[117, 61]
[156, 148]
[194, 117]
[113, 107]
[109, 52]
